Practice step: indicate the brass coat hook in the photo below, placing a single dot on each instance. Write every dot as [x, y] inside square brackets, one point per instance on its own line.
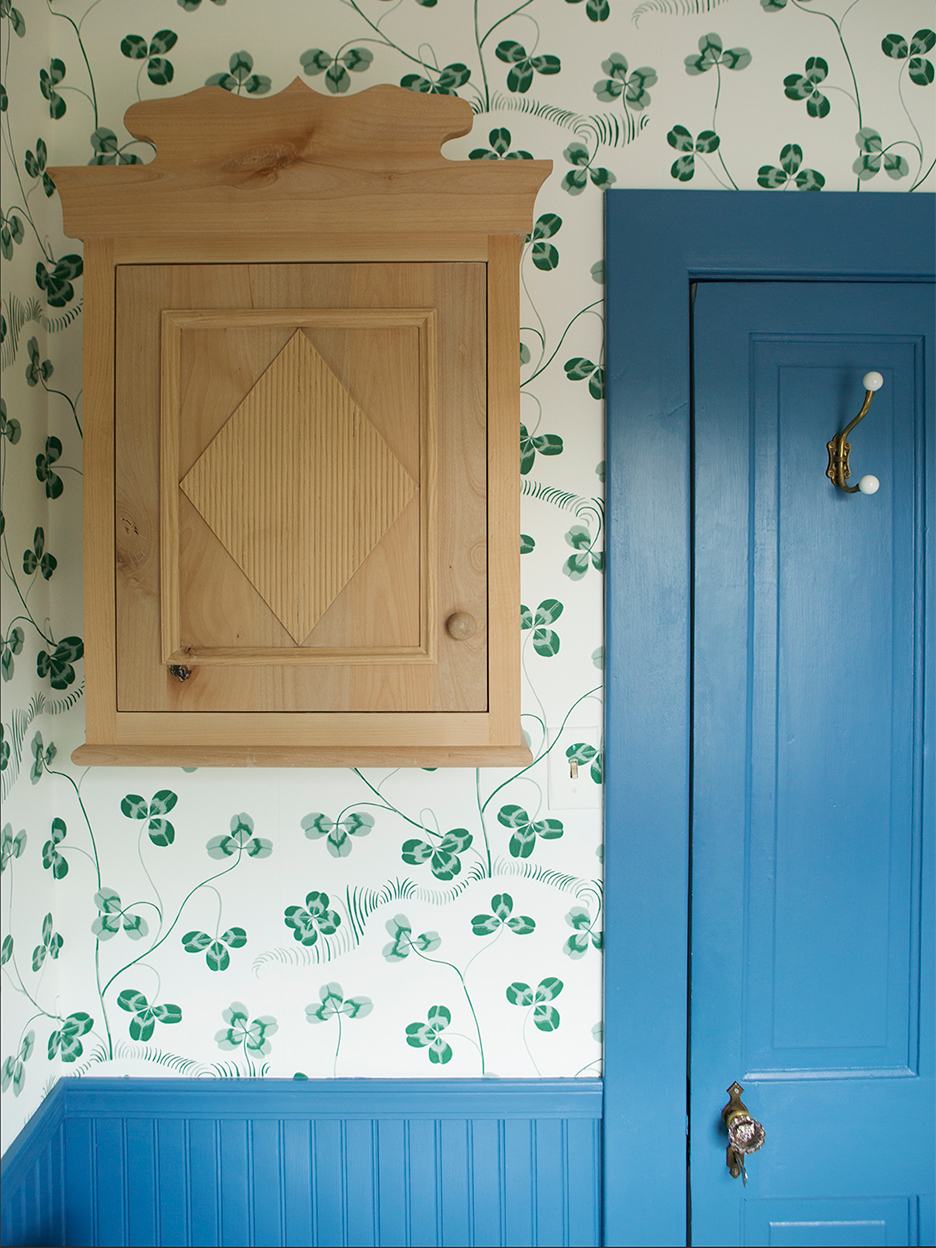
[838, 471]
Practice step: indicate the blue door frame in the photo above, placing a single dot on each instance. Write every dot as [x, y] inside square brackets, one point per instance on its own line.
[657, 243]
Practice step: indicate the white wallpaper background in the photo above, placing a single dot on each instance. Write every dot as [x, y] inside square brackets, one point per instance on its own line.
[214, 923]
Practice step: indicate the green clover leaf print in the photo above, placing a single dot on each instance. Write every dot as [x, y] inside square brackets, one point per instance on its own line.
[38, 558]
[523, 65]
[42, 758]
[216, 955]
[712, 52]
[54, 485]
[332, 1003]
[52, 860]
[191, 5]
[576, 179]
[10, 427]
[161, 832]
[679, 137]
[59, 665]
[17, 21]
[51, 945]
[578, 368]
[12, 231]
[806, 87]
[443, 858]
[502, 916]
[545, 1016]
[545, 640]
[13, 1071]
[499, 140]
[36, 370]
[449, 78]
[542, 443]
[336, 69]
[244, 1032]
[240, 78]
[619, 84]
[35, 163]
[112, 917]
[428, 1035]
[789, 172]
[526, 830]
[403, 942]
[337, 835]
[306, 922]
[11, 846]
[12, 645]
[596, 10]
[49, 79]
[920, 69]
[875, 156]
[58, 284]
[584, 934]
[158, 69]
[240, 839]
[6, 950]
[65, 1040]
[582, 542]
[108, 151]
[581, 753]
[4, 743]
[545, 255]
[146, 1016]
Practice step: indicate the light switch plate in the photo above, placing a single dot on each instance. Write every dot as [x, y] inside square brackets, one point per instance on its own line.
[568, 792]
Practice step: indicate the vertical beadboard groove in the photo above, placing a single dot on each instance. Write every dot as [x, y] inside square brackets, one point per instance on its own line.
[457, 1163]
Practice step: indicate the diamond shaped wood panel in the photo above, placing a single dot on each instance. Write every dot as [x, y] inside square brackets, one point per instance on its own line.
[299, 486]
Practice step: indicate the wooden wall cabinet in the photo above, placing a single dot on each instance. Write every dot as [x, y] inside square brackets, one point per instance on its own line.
[301, 407]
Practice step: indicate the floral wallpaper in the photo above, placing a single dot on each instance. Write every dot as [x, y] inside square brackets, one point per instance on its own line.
[382, 923]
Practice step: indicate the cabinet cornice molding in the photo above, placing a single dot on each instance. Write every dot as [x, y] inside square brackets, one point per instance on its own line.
[298, 162]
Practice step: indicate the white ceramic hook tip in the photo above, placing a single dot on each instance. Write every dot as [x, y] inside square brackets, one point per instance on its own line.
[872, 381]
[869, 485]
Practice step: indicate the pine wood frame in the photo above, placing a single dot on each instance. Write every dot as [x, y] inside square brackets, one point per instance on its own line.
[302, 177]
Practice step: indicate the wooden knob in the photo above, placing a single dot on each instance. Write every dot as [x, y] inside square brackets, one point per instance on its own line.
[461, 625]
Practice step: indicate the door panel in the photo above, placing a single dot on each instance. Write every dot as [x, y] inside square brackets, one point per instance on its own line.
[808, 764]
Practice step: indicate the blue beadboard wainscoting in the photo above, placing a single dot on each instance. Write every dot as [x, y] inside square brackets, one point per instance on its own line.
[269, 1161]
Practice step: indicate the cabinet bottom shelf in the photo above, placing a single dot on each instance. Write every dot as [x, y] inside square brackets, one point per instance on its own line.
[142, 755]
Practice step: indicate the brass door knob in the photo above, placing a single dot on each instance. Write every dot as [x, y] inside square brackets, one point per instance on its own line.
[461, 626]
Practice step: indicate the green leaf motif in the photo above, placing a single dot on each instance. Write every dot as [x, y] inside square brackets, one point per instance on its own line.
[48, 81]
[523, 65]
[65, 1041]
[712, 52]
[499, 140]
[584, 935]
[337, 835]
[502, 916]
[51, 944]
[306, 922]
[875, 157]
[42, 758]
[241, 839]
[443, 857]
[112, 917]
[239, 77]
[57, 285]
[805, 87]
[530, 446]
[428, 1035]
[632, 89]
[11, 846]
[545, 1016]
[332, 1003]
[51, 858]
[403, 941]
[526, 830]
[216, 955]
[244, 1032]
[160, 831]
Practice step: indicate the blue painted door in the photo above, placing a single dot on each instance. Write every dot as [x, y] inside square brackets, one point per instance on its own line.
[812, 907]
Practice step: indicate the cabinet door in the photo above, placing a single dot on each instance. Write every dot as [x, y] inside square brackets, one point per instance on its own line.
[301, 487]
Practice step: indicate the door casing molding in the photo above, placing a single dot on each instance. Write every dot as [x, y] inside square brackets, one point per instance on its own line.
[657, 244]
